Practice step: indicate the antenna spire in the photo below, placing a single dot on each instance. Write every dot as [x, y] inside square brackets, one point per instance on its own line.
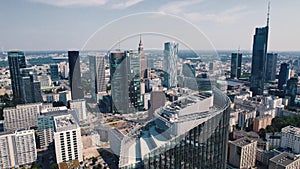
[268, 15]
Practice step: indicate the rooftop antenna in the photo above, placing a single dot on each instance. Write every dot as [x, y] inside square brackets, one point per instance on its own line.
[268, 15]
[140, 38]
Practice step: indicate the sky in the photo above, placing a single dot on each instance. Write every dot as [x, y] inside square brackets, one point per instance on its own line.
[75, 24]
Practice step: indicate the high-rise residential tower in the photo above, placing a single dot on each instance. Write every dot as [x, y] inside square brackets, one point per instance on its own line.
[75, 75]
[170, 62]
[16, 61]
[259, 55]
[67, 139]
[17, 148]
[236, 65]
[271, 66]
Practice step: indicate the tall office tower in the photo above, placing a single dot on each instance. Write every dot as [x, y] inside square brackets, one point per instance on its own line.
[135, 97]
[188, 133]
[79, 106]
[259, 55]
[17, 148]
[242, 153]
[188, 70]
[75, 75]
[284, 75]
[236, 65]
[54, 72]
[119, 71]
[271, 66]
[291, 90]
[67, 139]
[170, 64]
[30, 90]
[22, 116]
[16, 61]
[97, 72]
[26, 89]
[143, 60]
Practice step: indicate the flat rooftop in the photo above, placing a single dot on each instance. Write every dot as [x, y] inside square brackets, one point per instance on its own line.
[243, 142]
[187, 101]
[291, 130]
[284, 159]
[65, 122]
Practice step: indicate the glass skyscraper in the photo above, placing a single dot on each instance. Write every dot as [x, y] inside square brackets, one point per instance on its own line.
[54, 72]
[125, 81]
[271, 66]
[135, 79]
[259, 58]
[75, 75]
[119, 71]
[284, 75]
[97, 72]
[170, 64]
[16, 61]
[236, 65]
[259, 55]
[189, 133]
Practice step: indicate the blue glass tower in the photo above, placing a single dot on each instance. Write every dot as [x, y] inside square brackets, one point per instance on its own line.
[16, 61]
[259, 56]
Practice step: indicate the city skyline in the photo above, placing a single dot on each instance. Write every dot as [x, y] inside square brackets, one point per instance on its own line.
[43, 22]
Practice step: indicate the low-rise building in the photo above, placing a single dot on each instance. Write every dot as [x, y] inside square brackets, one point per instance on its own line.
[261, 122]
[284, 161]
[242, 153]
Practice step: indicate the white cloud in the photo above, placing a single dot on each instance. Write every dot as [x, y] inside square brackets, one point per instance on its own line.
[228, 16]
[65, 3]
[177, 7]
[123, 5]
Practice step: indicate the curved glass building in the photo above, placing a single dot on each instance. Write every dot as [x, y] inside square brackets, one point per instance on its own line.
[191, 132]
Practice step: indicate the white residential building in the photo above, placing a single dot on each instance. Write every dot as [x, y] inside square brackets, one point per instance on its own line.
[17, 148]
[67, 139]
[290, 138]
[22, 116]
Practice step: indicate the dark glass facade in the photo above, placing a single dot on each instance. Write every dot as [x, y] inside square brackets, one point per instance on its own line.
[16, 61]
[202, 147]
[54, 72]
[119, 65]
[236, 65]
[291, 89]
[271, 66]
[284, 75]
[259, 55]
[75, 75]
